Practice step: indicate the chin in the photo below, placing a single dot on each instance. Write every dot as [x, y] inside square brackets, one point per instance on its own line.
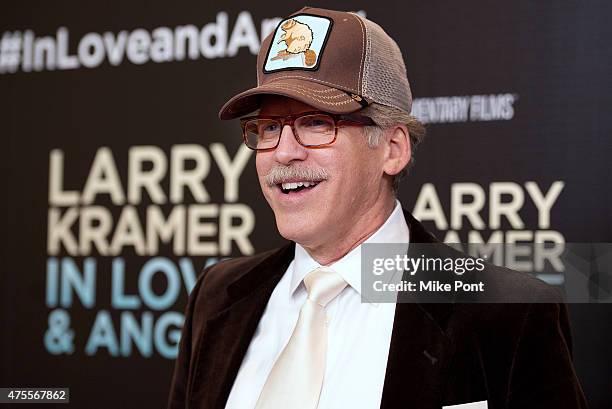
[297, 229]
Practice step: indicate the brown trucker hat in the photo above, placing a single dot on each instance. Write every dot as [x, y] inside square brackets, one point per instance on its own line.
[335, 61]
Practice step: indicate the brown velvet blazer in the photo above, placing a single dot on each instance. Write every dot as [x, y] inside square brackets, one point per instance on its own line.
[515, 356]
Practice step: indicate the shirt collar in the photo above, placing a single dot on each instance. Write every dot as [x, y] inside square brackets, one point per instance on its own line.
[393, 230]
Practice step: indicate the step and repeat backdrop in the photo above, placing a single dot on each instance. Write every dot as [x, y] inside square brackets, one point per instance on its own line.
[120, 184]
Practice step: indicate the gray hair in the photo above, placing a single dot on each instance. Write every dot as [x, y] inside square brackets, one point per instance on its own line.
[386, 117]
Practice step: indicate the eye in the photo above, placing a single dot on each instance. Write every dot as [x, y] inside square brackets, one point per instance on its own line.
[268, 127]
[317, 122]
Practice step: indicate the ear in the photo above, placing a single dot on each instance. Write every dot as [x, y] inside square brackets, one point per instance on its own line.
[398, 150]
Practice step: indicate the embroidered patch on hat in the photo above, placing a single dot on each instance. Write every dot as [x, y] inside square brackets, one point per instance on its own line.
[298, 43]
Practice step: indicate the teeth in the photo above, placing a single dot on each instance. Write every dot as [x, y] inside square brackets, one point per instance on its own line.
[295, 185]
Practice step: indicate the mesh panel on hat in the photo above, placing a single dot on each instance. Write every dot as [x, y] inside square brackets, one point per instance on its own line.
[384, 76]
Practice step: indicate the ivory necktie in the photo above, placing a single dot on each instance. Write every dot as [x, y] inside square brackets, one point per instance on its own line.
[297, 375]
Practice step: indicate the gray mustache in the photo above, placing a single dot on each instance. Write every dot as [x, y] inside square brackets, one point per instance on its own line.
[279, 174]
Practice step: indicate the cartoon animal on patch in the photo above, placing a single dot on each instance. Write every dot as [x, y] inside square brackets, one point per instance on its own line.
[298, 37]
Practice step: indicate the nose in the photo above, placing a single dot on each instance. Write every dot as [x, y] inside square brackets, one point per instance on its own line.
[288, 148]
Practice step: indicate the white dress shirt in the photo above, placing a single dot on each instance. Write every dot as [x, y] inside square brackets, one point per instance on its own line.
[359, 333]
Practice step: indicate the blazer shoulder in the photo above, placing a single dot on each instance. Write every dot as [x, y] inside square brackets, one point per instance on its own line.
[507, 285]
[212, 283]
[509, 300]
[221, 274]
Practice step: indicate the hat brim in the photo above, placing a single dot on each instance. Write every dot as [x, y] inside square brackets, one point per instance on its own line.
[320, 96]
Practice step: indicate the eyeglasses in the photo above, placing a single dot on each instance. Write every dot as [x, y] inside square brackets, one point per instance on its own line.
[311, 129]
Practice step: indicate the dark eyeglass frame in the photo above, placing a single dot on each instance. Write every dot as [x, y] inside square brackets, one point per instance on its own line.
[356, 119]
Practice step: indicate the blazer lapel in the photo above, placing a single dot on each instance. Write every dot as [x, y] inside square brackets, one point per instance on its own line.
[418, 359]
[227, 334]
[420, 350]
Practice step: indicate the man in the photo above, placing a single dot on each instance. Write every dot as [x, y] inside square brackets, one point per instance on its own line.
[291, 328]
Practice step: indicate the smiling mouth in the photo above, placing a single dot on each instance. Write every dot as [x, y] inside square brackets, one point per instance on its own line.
[294, 187]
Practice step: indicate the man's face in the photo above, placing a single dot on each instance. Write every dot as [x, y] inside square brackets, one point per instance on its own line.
[316, 216]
